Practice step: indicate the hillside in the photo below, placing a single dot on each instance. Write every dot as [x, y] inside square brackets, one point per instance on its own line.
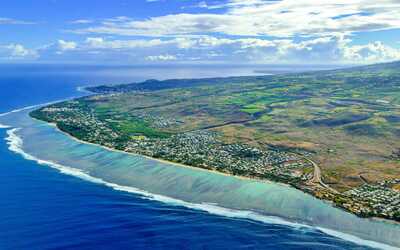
[331, 133]
[152, 85]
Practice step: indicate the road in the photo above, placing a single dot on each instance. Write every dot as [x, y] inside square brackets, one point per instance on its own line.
[317, 176]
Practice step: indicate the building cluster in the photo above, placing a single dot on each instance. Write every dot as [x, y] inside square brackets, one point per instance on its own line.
[383, 198]
[158, 122]
[203, 149]
[199, 148]
[90, 129]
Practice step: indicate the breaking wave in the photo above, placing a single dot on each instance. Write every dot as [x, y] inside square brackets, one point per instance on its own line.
[15, 144]
[4, 126]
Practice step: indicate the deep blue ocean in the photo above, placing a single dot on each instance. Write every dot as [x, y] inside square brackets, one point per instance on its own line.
[41, 208]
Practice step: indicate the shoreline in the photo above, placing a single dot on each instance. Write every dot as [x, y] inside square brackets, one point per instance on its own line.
[335, 233]
[166, 161]
[327, 201]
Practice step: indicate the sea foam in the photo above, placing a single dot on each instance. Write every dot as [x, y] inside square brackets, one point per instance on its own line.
[15, 144]
[4, 126]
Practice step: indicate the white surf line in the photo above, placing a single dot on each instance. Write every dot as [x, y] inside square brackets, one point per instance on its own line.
[15, 143]
[2, 126]
[357, 240]
[42, 104]
[21, 109]
[31, 107]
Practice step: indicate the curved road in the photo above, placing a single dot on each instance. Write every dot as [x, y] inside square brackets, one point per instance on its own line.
[317, 176]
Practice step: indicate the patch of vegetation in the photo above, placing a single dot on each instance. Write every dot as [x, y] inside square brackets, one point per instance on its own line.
[135, 127]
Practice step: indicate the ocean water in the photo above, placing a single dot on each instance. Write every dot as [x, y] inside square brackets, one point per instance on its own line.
[56, 193]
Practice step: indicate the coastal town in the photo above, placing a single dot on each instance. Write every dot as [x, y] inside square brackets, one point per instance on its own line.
[383, 197]
[206, 149]
[196, 148]
[200, 125]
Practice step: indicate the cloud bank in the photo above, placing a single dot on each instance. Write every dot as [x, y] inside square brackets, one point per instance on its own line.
[230, 31]
[320, 50]
[286, 18]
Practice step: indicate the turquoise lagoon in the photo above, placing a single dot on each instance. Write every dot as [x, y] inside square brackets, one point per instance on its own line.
[198, 189]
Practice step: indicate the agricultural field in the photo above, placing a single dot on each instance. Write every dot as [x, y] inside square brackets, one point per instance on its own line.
[345, 121]
[349, 119]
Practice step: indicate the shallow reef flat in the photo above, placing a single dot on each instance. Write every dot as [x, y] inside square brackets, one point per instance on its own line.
[199, 189]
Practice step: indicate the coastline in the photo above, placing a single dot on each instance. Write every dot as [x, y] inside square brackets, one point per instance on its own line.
[205, 207]
[165, 161]
[117, 167]
[327, 201]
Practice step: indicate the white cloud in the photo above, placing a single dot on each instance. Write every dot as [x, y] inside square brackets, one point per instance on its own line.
[372, 52]
[100, 43]
[284, 18]
[329, 49]
[165, 57]
[258, 31]
[81, 21]
[17, 51]
[64, 45]
[235, 3]
[202, 4]
[326, 49]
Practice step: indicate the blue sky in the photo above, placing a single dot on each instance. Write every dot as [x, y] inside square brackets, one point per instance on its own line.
[194, 31]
